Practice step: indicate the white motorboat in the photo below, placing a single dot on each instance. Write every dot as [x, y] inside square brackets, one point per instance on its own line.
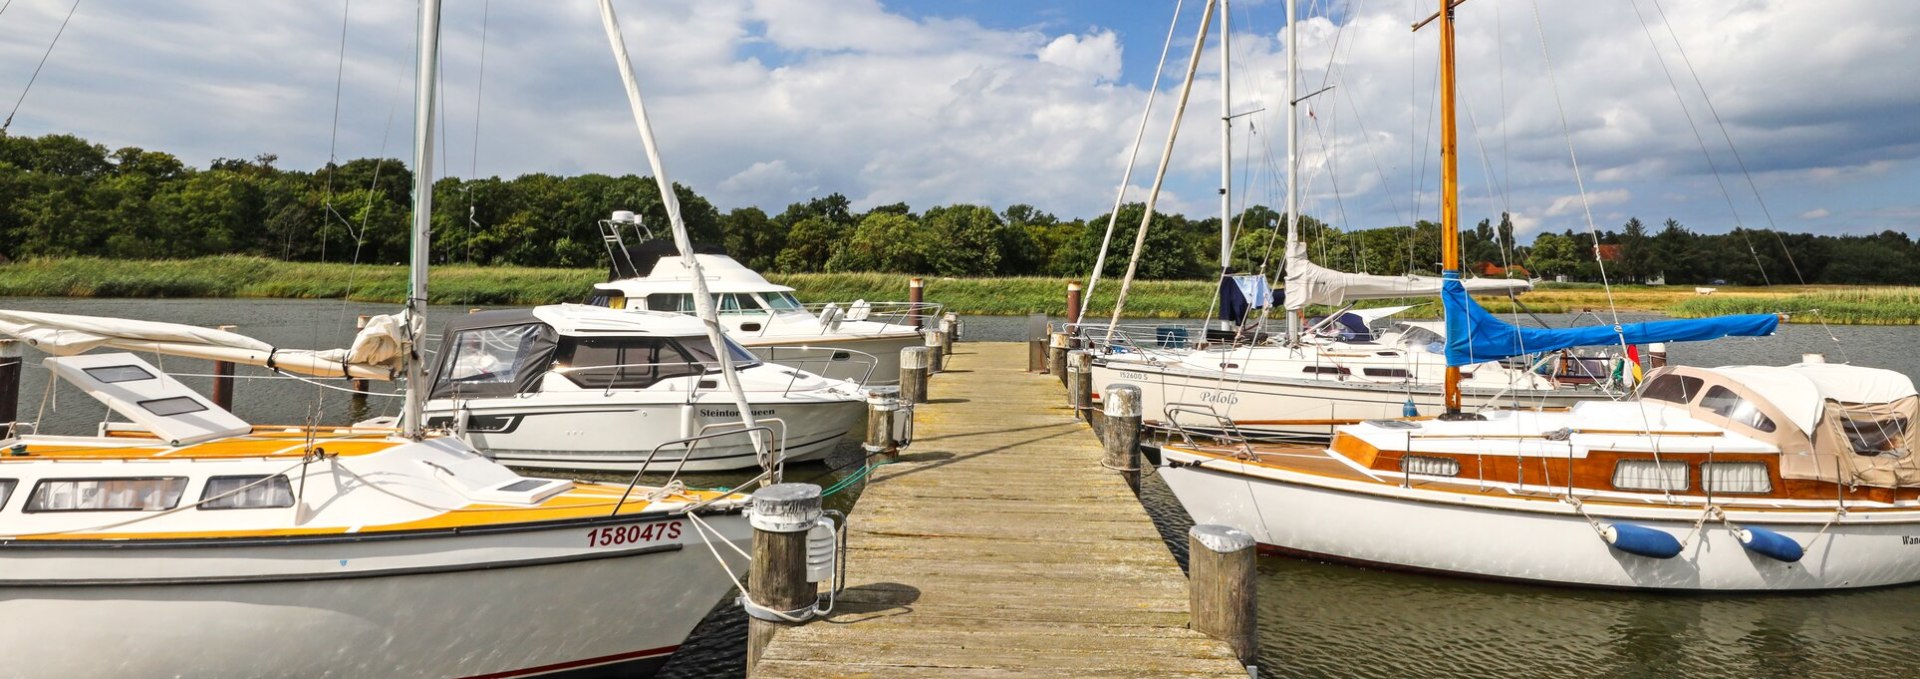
[572, 386]
[858, 341]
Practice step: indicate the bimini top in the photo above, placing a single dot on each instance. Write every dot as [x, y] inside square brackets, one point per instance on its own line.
[1800, 391]
[502, 353]
[671, 274]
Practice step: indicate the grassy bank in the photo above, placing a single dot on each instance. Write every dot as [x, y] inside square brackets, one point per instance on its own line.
[512, 286]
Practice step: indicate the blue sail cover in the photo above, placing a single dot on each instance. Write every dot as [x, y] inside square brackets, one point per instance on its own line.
[1474, 335]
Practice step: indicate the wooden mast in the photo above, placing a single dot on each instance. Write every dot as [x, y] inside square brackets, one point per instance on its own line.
[1449, 181]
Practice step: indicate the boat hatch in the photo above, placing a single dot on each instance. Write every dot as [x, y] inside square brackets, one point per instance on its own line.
[140, 392]
[518, 491]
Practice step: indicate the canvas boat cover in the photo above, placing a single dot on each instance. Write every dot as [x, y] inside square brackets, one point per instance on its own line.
[1474, 335]
[1309, 283]
[376, 353]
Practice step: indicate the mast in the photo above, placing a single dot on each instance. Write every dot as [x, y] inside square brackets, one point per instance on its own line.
[1293, 157]
[427, 71]
[1449, 182]
[1226, 153]
[703, 301]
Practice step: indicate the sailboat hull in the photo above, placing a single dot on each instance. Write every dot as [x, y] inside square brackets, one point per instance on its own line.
[1533, 540]
[553, 601]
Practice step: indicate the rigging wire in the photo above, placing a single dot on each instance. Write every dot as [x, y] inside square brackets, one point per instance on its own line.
[43, 64]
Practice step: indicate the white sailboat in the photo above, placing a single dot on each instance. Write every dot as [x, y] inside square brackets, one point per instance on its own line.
[860, 341]
[187, 542]
[1803, 477]
[1302, 384]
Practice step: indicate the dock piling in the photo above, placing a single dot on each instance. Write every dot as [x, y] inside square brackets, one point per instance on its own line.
[1057, 346]
[883, 413]
[914, 364]
[951, 324]
[1220, 587]
[916, 291]
[223, 378]
[1080, 383]
[1121, 431]
[1073, 306]
[934, 343]
[779, 594]
[1036, 343]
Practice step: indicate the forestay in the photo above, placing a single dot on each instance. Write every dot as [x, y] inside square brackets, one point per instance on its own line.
[376, 353]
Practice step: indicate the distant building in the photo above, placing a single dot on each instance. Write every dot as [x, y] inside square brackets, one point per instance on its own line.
[1491, 270]
[1609, 253]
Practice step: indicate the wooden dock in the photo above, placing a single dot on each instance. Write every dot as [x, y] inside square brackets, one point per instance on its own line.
[997, 547]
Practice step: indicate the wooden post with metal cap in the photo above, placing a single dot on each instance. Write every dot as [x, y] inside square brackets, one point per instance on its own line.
[916, 291]
[778, 593]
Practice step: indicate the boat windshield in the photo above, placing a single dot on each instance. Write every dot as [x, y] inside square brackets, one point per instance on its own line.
[782, 301]
[726, 303]
[702, 351]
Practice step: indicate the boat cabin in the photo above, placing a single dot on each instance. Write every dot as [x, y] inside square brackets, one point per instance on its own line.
[1805, 431]
[494, 354]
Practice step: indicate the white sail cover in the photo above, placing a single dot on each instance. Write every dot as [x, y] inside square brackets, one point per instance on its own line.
[376, 352]
[1309, 283]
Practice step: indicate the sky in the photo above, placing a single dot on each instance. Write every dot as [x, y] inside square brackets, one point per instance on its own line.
[1002, 102]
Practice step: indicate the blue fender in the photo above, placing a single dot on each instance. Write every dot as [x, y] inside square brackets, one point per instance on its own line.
[1640, 540]
[1770, 544]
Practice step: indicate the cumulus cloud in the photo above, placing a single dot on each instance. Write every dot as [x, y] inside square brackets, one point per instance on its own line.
[1816, 213]
[764, 102]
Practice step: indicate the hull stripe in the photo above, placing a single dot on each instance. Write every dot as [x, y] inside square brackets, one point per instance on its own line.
[578, 664]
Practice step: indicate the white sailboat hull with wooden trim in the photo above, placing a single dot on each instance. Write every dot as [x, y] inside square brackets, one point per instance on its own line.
[520, 603]
[1535, 540]
[1263, 406]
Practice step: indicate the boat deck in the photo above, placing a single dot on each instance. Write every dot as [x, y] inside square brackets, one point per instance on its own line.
[999, 547]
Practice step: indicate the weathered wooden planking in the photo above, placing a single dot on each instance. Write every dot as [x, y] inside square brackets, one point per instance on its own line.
[999, 547]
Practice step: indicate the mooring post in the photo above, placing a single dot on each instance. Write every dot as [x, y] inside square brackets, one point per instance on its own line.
[916, 291]
[360, 384]
[778, 594]
[223, 378]
[1073, 307]
[1036, 343]
[947, 331]
[951, 323]
[1057, 345]
[1220, 588]
[934, 364]
[10, 368]
[914, 364]
[1121, 431]
[1080, 383]
[882, 403]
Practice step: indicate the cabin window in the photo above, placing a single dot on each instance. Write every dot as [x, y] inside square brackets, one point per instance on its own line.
[674, 302]
[1735, 477]
[114, 374]
[147, 494]
[6, 490]
[1650, 475]
[1875, 437]
[1723, 402]
[623, 362]
[1672, 389]
[782, 301]
[1395, 373]
[247, 492]
[1325, 370]
[728, 303]
[1430, 466]
[488, 355]
[702, 350]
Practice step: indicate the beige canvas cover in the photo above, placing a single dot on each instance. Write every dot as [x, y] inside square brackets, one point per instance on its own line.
[1864, 444]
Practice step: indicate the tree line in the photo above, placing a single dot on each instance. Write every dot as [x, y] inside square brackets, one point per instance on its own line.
[62, 196]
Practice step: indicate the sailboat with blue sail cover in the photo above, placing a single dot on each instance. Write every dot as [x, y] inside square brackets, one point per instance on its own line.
[1798, 477]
